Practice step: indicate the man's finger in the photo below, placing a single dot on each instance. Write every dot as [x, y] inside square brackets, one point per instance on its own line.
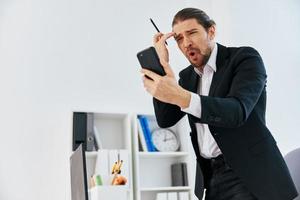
[157, 37]
[160, 37]
[148, 84]
[167, 68]
[166, 36]
[150, 74]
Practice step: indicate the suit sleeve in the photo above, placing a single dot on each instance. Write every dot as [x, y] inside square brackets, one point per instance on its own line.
[249, 79]
[167, 114]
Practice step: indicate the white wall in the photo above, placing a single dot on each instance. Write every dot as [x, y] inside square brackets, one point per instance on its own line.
[63, 55]
[57, 56]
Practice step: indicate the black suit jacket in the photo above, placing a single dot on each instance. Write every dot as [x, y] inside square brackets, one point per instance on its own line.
[235, 113]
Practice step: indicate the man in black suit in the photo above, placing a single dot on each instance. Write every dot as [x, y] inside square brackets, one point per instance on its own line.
[223, 92]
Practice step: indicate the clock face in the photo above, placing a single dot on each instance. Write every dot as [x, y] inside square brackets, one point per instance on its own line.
[165, 140]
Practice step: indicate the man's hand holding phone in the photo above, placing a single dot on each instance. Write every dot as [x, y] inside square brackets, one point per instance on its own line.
[164, 87]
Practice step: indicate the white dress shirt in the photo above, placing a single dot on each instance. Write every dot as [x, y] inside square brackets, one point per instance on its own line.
[207, 144]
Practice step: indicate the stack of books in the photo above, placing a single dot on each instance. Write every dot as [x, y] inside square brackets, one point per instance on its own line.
[179, 174]
[145, 138]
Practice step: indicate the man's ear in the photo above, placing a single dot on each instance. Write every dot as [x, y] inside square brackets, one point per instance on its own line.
[212, 32]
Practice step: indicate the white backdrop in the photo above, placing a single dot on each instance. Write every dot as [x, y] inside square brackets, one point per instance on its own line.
[63, 55]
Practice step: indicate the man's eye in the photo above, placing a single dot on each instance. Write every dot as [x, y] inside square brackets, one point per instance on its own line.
[192, 32]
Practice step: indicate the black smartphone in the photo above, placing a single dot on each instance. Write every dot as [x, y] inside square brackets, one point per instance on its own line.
[149, 59]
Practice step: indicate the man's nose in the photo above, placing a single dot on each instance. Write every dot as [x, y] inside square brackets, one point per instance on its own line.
[187, 42]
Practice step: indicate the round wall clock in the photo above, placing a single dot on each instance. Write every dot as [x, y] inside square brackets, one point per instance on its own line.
[165, 140]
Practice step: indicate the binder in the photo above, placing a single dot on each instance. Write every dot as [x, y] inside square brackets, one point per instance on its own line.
[179, 174]
[142, 136]
[147, 133]
[83, 124]
[161, 196]
[184, 174]
[172, 195]
[183, 196]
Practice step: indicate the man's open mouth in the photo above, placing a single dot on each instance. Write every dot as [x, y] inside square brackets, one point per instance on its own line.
[192, 53]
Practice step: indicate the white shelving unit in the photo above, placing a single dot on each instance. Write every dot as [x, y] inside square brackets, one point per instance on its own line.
[149, 172]
[115, 133]
[152, 170]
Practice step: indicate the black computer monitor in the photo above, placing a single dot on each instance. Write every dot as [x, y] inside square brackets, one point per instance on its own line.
[79, 186]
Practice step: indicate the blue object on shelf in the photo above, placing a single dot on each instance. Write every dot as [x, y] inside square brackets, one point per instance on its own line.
[147, 133]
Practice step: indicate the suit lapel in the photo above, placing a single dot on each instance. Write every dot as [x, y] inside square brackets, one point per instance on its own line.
[191, 81]
[221, 63]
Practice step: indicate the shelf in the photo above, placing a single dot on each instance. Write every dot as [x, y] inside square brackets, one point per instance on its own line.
[175, 188]
[162, 154]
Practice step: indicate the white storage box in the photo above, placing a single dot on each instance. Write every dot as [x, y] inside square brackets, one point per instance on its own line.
[109, 193]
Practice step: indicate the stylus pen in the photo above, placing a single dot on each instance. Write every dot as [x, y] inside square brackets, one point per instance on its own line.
[156, 28]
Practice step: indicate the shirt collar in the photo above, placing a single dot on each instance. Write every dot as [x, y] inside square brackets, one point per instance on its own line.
[213, 58]
[211, 63]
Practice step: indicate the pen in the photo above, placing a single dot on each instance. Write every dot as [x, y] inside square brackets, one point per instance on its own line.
[156, 28]
[119, 167]
[114, 167]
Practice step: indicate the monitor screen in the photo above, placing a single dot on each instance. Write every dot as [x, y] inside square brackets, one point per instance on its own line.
[78, 175]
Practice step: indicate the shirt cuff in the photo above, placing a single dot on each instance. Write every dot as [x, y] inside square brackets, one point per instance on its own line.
[195, 106]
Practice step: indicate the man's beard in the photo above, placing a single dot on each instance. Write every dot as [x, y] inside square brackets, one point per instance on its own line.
[205, 59]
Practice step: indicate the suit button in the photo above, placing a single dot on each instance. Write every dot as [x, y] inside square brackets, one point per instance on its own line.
[215, 134]
[211, 118]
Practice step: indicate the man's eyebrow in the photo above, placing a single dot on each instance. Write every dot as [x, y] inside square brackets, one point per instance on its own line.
[188, 31]
[193, 29]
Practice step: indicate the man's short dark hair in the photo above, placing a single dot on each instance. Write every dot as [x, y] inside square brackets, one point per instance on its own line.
[194, 13]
